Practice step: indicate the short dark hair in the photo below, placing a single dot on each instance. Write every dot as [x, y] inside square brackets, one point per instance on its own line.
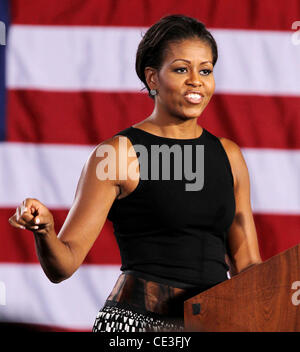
[172, 28]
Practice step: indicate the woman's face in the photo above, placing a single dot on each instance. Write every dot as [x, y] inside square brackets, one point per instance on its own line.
[185, 81]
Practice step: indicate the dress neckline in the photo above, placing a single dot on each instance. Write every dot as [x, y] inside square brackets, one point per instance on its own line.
[171, 139]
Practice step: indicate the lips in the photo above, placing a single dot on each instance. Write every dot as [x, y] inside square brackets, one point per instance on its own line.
[193, 97]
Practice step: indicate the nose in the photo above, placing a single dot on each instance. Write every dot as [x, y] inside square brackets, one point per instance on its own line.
[194, 79]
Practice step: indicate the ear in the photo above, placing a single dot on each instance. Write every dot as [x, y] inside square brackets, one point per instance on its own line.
[151, 77]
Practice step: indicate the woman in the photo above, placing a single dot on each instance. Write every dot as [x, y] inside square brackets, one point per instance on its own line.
[176, 238]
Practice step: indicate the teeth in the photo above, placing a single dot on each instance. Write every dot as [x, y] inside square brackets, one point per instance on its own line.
[194, 96]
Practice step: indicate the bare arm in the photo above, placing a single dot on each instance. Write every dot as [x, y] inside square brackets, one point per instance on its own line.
[61, 255]
[242, 236]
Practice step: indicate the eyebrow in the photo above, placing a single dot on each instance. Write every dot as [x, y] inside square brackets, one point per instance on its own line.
[204, 62]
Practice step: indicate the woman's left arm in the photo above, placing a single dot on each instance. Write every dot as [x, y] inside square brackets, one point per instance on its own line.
[242, 237]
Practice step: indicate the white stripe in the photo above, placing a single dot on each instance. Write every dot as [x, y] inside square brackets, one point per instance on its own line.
[249, 62]
[72, 304]
[76, 58]
[50, 173]
[72, 58]
[274, 180]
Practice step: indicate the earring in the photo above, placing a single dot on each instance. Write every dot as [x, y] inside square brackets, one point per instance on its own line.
[153, 92]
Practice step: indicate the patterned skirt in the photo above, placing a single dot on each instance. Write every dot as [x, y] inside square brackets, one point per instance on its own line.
[137, 304]
[116, 319]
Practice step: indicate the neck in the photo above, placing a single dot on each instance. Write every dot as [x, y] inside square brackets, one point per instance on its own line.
[172, 126]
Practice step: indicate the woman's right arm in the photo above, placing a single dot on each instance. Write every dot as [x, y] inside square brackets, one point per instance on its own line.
[61, 255]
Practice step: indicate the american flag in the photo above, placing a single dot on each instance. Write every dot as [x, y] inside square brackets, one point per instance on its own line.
[67, 82]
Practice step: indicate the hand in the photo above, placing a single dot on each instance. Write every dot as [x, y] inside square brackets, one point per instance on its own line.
[34, 216]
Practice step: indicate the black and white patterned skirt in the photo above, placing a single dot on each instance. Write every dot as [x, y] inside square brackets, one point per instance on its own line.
[116, 319]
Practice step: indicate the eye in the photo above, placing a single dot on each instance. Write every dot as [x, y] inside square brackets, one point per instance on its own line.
[207, 72]
[180, 69]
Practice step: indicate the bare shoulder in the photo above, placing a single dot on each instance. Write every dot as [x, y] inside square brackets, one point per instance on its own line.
[230, 146]
[112, 158]
[118, 142]
[111, 148]
[114, 142]
[236, 158]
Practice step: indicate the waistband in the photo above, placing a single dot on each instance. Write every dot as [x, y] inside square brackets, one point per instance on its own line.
[146, 296]
[162, 280]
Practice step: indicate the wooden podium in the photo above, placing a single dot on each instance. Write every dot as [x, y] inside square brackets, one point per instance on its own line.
[266, 297]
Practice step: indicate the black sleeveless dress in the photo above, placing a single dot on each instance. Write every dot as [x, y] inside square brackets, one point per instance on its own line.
[171, 231]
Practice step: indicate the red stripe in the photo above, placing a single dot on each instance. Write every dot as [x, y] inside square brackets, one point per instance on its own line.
[276, 233]
[243, 14]
[91, 117]
[17, 246]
